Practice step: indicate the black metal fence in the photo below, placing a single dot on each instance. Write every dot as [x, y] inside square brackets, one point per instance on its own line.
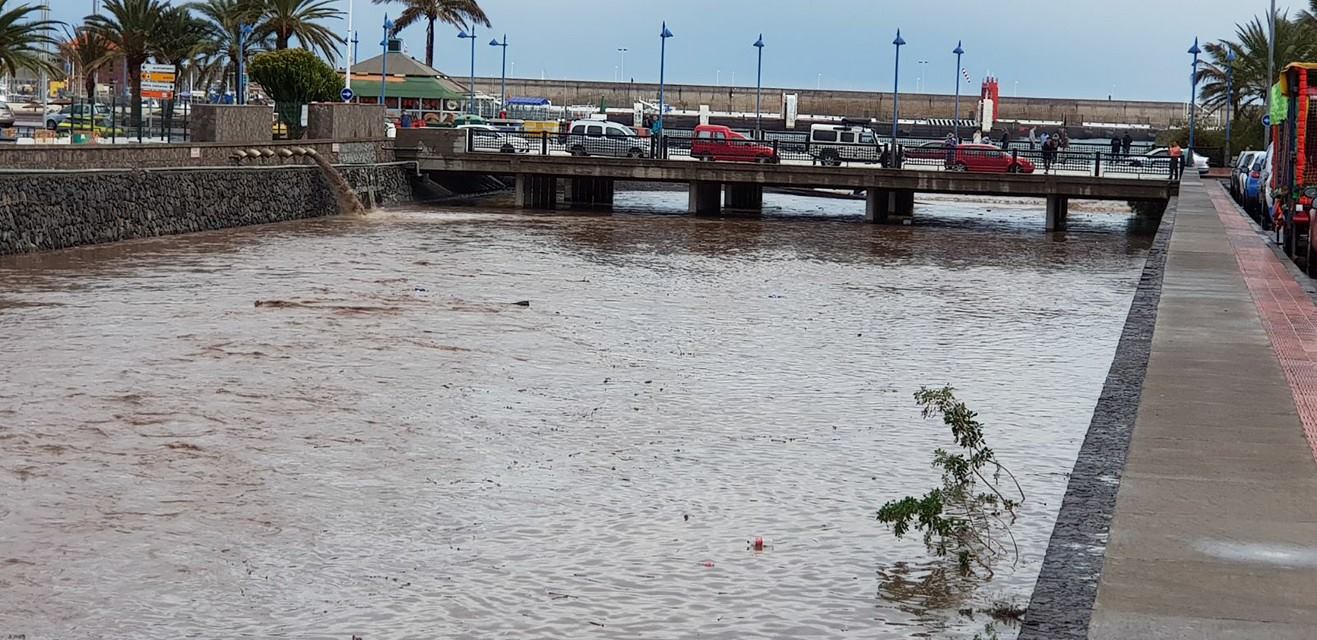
[115, 122]
[799, 150]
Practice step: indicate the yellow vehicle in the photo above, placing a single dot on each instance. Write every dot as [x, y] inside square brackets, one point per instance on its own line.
[99, 127]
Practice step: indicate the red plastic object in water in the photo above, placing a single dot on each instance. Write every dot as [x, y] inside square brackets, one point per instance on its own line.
[758, 544]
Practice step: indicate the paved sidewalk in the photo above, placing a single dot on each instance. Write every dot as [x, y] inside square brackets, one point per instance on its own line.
[1215, 528]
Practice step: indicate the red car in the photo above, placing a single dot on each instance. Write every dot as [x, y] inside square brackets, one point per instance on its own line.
[716, 142]
[985, 158]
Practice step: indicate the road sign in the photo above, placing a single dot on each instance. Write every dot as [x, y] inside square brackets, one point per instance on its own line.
[1266, 120]
[346, 94]
[158, 81]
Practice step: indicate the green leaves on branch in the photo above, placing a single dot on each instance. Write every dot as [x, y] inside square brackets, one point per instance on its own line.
[963, 516]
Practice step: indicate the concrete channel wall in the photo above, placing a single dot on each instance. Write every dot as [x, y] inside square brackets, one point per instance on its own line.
[40, 211]
[201, 154]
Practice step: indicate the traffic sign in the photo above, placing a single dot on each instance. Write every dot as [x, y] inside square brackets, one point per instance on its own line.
[1266, 120]
[157, 81]
[346, 94]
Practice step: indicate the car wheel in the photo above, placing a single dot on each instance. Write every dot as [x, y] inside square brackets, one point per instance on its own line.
[829, 158]
[507, 148]
[959, 166]
[52, 125]
[635, 153]
[1015, 168]
[578, 151]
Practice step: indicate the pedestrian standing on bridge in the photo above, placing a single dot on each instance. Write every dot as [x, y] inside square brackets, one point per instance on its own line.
[1049, 152]
[978, 136]
[949, 144]
[1033, 137]
[1115, 146]
[1006, 139]
[1176, 160]
[1126, 143]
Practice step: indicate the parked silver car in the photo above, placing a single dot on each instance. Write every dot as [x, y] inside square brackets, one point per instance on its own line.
[488, 138]
[603, 138]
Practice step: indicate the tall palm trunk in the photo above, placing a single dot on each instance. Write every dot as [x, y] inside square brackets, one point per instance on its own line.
[89, 83]
[281, 39]
[135, 81]
[429, 41]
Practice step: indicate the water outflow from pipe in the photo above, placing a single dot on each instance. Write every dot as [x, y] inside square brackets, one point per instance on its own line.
[347, 199]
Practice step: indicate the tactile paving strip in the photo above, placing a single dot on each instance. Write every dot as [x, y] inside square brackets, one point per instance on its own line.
[1287, 312]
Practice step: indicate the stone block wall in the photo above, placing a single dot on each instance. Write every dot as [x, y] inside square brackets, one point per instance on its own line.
[341, 121]
[40, 212]
[232, 123]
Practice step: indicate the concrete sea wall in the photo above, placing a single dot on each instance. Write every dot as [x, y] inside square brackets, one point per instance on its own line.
[56, 210]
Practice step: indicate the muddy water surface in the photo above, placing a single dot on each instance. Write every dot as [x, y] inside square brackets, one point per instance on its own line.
[345, 426]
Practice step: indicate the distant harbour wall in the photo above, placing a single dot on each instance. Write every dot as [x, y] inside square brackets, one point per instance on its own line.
[859, 104]
[41, 211]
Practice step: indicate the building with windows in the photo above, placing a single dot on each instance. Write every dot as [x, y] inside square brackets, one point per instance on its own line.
[409, 86]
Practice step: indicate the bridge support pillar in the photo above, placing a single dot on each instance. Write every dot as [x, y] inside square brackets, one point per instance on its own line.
[591, 193]
[883, 206]
[536, 192]
[705, 198]
[745, 198]
[1057, 208]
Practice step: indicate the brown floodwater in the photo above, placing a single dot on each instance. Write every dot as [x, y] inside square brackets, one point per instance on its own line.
[345, 426]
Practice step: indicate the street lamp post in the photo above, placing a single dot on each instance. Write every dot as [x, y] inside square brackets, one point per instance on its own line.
[244, 32]
[896, 87]
[663, 56]
[1230, 97]
[759, 86]
[347, 68]
[471, 104]
[959, 51]
[1193, 95]
[503, 86]
[384, 60]
[355, 41]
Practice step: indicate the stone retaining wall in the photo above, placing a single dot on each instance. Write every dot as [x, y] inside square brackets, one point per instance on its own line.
[44, 211]
[137, 156]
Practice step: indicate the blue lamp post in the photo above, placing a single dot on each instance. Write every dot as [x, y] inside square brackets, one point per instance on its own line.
[503, 86]
[959, 51]
[384, 60]
[471, 105]
[759, 84]
[1230, 97]
[663, 58]
[244, 32]
[896, 87]
[1193, 96]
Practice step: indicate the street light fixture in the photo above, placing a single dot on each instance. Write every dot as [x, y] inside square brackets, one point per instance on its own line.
[503, 85]
[1193, 94]
[384, 60]
[759, 85]
[663, 57]
[1230, 96]
[471, 104]
[896, 88]
[959, 51]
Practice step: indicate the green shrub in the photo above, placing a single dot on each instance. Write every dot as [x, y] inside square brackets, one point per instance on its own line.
[294, 78]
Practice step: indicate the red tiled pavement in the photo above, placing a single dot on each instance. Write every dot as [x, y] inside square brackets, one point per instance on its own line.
[1287, 312]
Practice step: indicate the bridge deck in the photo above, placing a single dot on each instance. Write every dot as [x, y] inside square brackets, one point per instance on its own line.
[1216, 515]
[787, 175]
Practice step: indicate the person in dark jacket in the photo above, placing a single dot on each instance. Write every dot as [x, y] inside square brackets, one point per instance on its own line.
[1126, 143]
[1115, 146]
[1006, 139]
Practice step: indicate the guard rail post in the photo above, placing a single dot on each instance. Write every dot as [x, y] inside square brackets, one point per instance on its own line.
[544, 143]
[1097, 164]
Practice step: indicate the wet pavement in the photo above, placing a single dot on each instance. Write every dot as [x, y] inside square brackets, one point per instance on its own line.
[346, 425]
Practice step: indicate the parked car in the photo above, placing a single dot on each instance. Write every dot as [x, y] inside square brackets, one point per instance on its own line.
[1266, 197]
[486, 137]
[833, 144]
[1251, 198]
[986, 158]
[1156, 158]
[1239, 173]
[82, 113]
[720, 143]
[603, 138]
[6, 116]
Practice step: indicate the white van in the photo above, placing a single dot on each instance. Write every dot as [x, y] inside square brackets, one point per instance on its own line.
[832, 144]
[603, 138]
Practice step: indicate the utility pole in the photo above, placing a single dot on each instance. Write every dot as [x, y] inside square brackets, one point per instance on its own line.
[45, 84]
[1271, 65]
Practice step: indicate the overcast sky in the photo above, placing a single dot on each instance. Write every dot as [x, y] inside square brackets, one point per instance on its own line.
[1132, 49]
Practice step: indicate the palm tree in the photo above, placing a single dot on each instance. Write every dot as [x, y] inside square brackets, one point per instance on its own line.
[1296, 40]
[282, 20]
[180, 38]
[24, 38]
[459, 13]
[89, 52]
[131, 27]
[226, 18]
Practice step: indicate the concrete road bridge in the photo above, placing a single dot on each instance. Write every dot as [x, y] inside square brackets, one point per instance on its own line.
[716, 188]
